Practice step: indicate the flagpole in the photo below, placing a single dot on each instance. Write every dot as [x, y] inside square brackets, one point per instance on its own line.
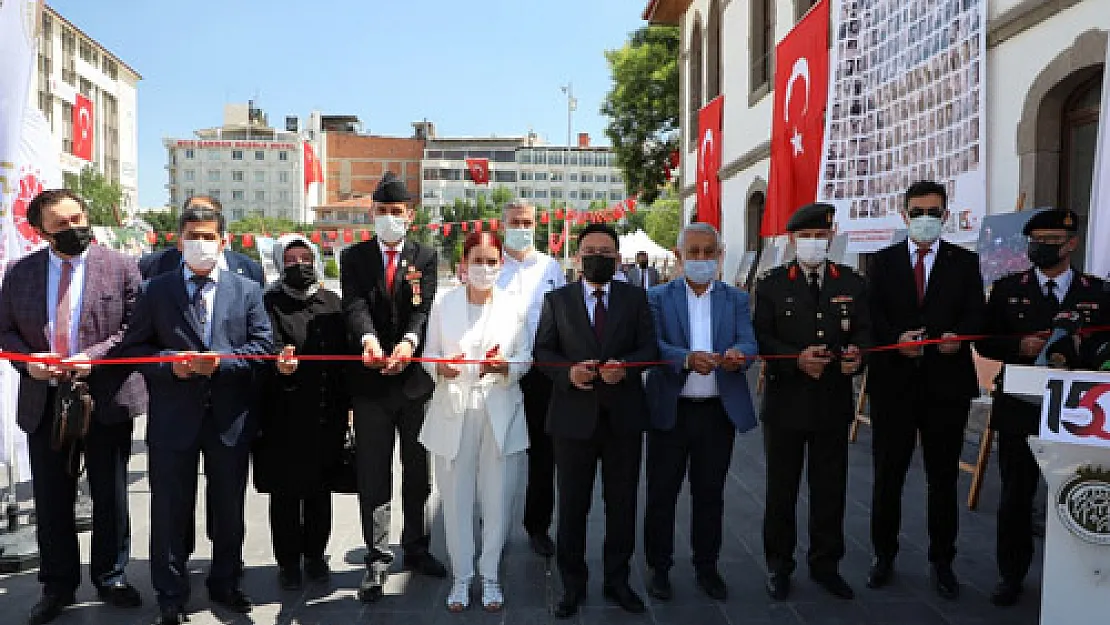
[571, 104]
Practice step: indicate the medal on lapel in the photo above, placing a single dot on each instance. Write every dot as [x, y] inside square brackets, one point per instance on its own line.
[412, 275]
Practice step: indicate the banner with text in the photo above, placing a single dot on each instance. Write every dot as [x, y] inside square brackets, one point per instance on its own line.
[906, 103]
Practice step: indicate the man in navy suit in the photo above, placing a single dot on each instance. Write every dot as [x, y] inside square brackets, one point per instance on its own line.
[202, 403]
[169, 259]
[696, 404]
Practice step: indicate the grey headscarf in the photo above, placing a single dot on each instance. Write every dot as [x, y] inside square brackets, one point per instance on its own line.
[283, 243]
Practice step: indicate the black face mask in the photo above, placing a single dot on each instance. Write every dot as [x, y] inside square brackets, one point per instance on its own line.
[599, 269]
[1044, 255]
[299, 276]
[73, 241]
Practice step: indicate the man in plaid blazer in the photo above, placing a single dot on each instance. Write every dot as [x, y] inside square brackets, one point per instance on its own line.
[73, 300]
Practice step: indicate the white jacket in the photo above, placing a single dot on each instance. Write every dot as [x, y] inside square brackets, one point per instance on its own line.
[449, 333]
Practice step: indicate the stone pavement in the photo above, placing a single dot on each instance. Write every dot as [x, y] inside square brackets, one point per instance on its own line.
[531, 586]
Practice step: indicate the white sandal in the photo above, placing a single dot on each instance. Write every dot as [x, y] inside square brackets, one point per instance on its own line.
[492, 598]
[459, 598]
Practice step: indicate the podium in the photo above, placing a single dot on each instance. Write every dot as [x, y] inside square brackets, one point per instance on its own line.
[1075, 461]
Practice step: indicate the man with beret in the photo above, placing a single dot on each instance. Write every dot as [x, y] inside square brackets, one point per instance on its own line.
[811, 323]
[388, 285]
[921, 288]
[1022, 309]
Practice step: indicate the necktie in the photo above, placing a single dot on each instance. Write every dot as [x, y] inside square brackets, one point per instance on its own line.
[390, 269]
[200, 306]
[919, 273]
[62, 311]
[1050, 287]
[815, 286]
[599, 313]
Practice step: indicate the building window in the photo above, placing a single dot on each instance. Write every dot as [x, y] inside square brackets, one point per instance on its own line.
[237, 176]
[525, 157]
[585, 193]
[260, 177]
[259, 155]
[587, 159]
[213, 155]
[541, 194]
[214, 175]
[190, 192]
[554, 158]
[283, 156]
[587, 177]
[541, 175]
[470, 194]
[190, 175]
[572, 158]
[111, 69]
[615, 196]
[616, 178]
[599, 195]
[504, 176]
[527, 175]
[526, 192]
[763, 44]
[283, 196]
[236, 155]
[694, 69]
[556, 176]
[260, 196]
[573, 195]
[86, 88]
[283, 177]
[713, 59]
[574, 177]
[556, 194]
[237, 194]
[190, 154]
[602, 178]
[801, 7]
[214, 193]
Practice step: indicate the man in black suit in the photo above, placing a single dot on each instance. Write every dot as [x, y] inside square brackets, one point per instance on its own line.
[169, 259]
[812, 323]
[921, 288]
[597, 413]
[214, 321]
[388, 285]
[1020, 315]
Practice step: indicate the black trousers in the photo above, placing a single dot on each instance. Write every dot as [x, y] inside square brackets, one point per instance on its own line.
[894, 433]
[577, 460]
[1020, 478]
[378, 421]
[701, 443]
[173, 485]
[787, 451]
[299, 527]
[539, 496]
[106, 450]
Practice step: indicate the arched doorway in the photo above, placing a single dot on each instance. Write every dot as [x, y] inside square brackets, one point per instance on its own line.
[1079, 138]
[753, 223]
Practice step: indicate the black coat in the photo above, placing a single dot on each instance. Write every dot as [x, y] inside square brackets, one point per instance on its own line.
[787, 321]
[304, 415]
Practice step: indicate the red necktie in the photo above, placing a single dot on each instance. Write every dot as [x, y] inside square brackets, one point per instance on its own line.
[61, 311]
[390, 269]
[919, 273]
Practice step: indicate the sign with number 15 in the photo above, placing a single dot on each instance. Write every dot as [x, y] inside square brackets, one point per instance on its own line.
[1075, 408]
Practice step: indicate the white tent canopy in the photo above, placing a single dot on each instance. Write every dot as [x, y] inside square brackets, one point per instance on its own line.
[639, 241]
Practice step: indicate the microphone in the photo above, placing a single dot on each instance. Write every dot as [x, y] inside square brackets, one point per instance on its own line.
[1059, 350]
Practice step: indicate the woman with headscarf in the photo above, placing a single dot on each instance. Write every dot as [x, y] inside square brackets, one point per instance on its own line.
[304, 420]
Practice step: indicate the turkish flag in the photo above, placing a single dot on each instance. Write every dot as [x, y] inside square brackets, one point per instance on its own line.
[83, 128]
[479, 169]
[313, 172]
[709, 162]
[798, 119]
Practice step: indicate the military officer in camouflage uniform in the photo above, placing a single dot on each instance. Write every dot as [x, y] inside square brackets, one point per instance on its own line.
[1021, 312]
[811, 323]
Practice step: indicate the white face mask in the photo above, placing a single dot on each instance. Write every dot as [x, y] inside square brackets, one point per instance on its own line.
[812, 251]
[200, 255]
[390, 228]
[519, 239]
[925, 229]
[482, 277]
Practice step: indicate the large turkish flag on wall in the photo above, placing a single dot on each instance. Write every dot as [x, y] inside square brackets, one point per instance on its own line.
[479, 170]
[83, 128]
[709, 162]
[798, 119]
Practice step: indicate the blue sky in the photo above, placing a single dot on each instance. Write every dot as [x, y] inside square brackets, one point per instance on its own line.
[478, 68]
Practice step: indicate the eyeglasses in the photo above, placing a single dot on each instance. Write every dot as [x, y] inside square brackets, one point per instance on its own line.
[598, 251]
[1057, 239]
[931, 211]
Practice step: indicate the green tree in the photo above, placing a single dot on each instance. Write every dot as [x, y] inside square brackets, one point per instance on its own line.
[501, 196]
[259, 224]
[161, 221]
[102, 195]
[643, 107]
[664, 219]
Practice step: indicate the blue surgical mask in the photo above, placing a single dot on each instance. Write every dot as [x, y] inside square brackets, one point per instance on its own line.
[519, 239]
[925, 229]
[700, 271]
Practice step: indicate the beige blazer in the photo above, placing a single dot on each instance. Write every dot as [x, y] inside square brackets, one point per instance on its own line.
[449, 333]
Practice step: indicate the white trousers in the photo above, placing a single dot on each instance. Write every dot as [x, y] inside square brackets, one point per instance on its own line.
[480, 475]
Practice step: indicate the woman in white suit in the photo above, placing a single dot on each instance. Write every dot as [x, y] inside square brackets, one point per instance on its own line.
[475, 426]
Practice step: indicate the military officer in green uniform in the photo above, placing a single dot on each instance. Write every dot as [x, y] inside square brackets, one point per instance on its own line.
[811, 323]
[1021, 312]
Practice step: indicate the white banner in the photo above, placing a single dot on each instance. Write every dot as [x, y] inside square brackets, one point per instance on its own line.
[906, 103]
[1098, 228]
[1074, 408]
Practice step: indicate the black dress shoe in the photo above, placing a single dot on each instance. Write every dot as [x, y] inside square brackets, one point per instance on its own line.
[542, 544]
[235, 600]
[120, 595]
[289, 578]
[659, 586]
[372, 587]
[944, 581]
[778, 586]
[712, 584]
[316, 569]
[171, 615]
[880, 573]
[624, 596]
[1006, 594]
[568, 605]
[49, 607]
[834, 584]
[424, 563]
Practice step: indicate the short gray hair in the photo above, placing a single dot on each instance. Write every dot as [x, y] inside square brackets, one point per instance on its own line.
[699, 227]
[516, 204]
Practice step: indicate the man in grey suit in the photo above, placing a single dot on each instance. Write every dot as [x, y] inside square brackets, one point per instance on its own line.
[214, 321]
[73, 300]
[641, 274]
